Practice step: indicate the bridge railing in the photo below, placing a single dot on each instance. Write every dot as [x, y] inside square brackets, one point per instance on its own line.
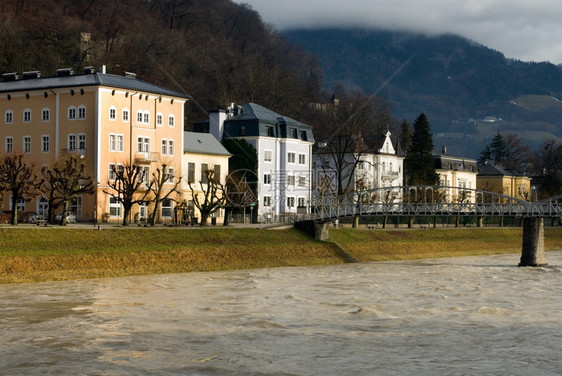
[431, 201]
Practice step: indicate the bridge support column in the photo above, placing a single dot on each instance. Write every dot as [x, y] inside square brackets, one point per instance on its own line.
[532, 252]
[480, 221]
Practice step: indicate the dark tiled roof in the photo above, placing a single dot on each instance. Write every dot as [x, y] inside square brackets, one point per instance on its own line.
[490, 169]
[255, 121]
[87, 79]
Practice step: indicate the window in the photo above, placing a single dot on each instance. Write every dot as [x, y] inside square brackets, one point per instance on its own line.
[9, 145]
[9, 117]
[45, 144]
[294, 133]
[242, 131]
[112, 174]
[290, 202]
[170, 175]
[112, 113]
[217, 172]
[27, 144]
[71, 113]
[300, 202]
[114, 207]
[125, 114]
[171, 121]
[112, 138]
[143, 144]
[45, 114]
[167, 209]
[302, 181]
[144, 174]
[304, 137]
[71, 142]
[267, 179]
[82, 112]
[267, 156]
[164, 147]
[302, 159]
[291, 180]
[269, 131]
[146, 117]
[360, 165]
[81, 141]
[291, 157]
[267, 201]
[20, 204]
[170, 147]
[139, 117]
[191, 173]
[159, 119]
[76, 206]
[119, 142]
[27, 116]
[204, 169]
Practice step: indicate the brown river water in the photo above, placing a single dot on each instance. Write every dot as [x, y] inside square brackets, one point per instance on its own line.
[458, 316]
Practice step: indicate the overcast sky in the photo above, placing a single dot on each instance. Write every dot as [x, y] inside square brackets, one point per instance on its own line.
[528, 30]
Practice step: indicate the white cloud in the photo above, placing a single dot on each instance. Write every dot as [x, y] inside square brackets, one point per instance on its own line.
[520, 29]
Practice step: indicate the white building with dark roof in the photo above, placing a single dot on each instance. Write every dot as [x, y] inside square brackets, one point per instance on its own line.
[284, 148]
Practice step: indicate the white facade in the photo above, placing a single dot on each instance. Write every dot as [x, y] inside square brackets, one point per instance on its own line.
[378, 169]
[284, 150]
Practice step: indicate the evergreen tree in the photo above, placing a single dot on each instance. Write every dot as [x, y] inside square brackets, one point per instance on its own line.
[419, 165]
[498, 148]
[405, 136]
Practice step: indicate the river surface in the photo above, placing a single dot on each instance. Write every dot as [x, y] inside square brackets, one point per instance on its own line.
[458, 316]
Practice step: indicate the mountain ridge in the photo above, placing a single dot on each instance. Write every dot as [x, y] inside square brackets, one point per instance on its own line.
[455, 81]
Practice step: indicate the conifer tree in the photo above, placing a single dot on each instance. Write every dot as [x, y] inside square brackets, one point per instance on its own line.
[419, 165]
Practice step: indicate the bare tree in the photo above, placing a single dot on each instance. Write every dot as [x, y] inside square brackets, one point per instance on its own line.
[211, 198]
[160, 191]
[21, 179]
[349, 126]
[126, 188]
[65, 181]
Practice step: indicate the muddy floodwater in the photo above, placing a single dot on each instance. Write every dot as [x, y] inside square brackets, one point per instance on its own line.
[459, 316]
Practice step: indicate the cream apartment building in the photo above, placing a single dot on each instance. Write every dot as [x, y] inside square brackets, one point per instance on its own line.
[202, 152]
[108, 120]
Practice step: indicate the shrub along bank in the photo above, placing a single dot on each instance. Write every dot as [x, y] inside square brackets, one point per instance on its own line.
[43, 254]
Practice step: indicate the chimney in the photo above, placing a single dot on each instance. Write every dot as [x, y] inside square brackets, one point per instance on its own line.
[103, 69]
[444, 149]
[216, 123]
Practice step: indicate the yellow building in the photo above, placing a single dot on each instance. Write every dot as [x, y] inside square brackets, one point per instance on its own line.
[494, 178]
[108, 120]
[202, 152]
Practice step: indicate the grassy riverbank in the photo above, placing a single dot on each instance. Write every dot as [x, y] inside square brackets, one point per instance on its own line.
[38, 254]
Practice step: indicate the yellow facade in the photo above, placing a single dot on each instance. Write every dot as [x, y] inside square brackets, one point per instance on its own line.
[48, 119]
[514, 186]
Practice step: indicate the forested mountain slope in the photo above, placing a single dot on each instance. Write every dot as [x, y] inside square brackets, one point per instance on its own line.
[467, 90]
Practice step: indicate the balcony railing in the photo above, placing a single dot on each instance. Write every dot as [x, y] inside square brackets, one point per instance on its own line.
[390, 175]
[146, 157]
[79, 152]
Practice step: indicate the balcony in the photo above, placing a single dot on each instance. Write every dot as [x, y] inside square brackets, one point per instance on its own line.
[390, 175]
[81, 153]
[146, 157]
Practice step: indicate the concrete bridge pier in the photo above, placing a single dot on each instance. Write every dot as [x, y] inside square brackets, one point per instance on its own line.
[532, 250]
[317, 229]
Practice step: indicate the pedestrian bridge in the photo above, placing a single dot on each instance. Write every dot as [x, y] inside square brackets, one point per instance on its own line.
[412, 201]
[432, 201]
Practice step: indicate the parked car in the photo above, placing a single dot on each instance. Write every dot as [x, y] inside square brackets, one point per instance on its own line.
[70, 218]
[35, 218]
